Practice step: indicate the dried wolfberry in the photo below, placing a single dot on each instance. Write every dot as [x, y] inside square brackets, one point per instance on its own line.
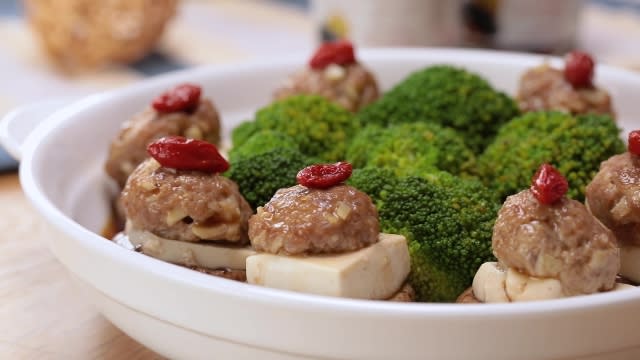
[578, 69]
[180, 153]
[548, 185]
[183, 97]
[322, 176]
[634, 142]
[338, 52]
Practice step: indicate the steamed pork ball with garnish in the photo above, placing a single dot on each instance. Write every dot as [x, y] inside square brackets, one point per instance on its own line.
[179, 111]
[548, 246]
[316, 219]
[570, 90]
[614, 198]
[322, 237]
[180, 209]
[334, 73]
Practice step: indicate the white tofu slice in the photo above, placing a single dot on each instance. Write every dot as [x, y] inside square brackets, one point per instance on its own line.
[520, 287]
[621, 286]
[492, 284]
[204, 255]
[489, 283]
[375, 272]
[630, 263]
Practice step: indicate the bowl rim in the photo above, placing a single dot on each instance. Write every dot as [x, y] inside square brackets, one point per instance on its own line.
[275, 297]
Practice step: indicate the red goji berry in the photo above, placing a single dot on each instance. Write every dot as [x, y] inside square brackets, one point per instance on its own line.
[578, 69]
[339, 52]
[634, 142]
[183, 97]
[180, 153]
[322, 176]
[548, 185]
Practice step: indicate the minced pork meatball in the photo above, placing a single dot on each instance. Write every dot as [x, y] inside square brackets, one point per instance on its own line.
[613, 196]
[129, 148]
[545, 88]
[562, 241]
[351, 86]
[301, 220]
[185, 205]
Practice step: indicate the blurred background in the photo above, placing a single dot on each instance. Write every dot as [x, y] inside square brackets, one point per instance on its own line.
[53, 48]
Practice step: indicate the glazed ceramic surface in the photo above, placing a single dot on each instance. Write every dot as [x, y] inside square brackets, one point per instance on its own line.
[185, 314]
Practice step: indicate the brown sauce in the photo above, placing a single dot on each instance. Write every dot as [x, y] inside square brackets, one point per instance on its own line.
[624, 280]
[110, 228]
[113, 225]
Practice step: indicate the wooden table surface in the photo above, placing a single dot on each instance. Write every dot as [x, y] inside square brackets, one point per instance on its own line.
[42, 313]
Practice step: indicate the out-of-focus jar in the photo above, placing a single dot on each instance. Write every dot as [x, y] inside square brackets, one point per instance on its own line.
[389, 23]
[546, 26]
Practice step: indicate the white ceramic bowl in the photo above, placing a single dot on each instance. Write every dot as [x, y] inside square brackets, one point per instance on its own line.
[185, 314]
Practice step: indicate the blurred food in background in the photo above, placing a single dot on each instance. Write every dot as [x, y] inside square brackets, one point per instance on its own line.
[389, 23]
[89, 34]
[546, 26]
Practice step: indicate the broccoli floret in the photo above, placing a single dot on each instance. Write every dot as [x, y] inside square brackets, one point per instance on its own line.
[319, 127]
[375, 182]
[261, 142]
[448, 222]
[259, 176]
[575, 145]
[412, 148]
[359, 147]
[448, 96]
[241, 133]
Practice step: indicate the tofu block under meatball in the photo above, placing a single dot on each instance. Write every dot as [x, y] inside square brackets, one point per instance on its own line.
[375, 272]
[326, 241]
[201, 255]
[561, 241]
[494, 284]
